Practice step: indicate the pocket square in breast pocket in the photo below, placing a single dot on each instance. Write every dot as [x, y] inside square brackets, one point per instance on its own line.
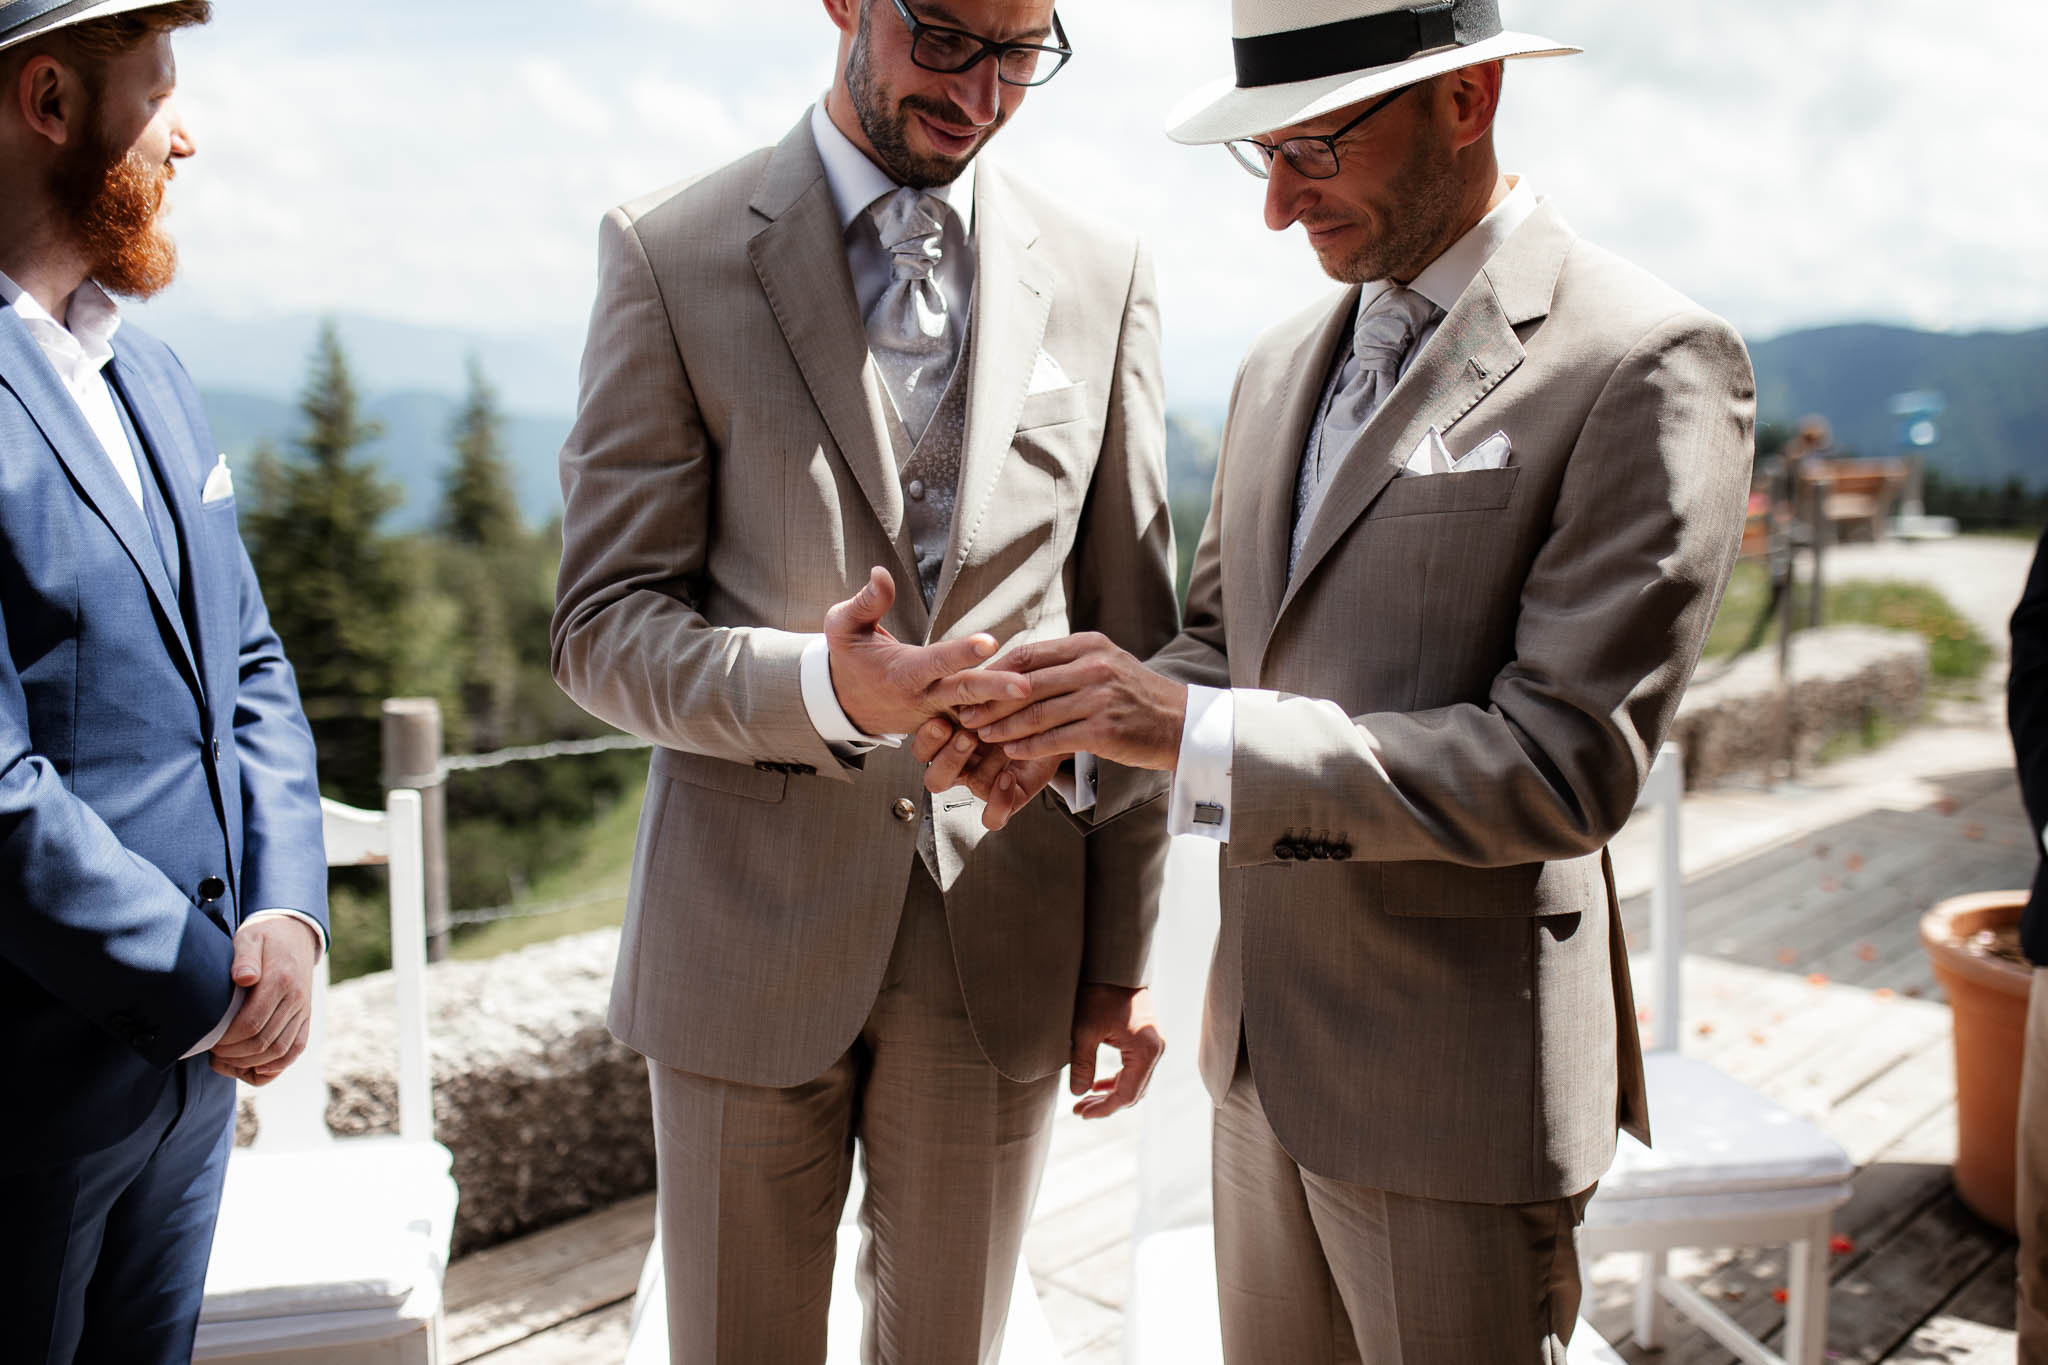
[220, 484]
[1046, 375]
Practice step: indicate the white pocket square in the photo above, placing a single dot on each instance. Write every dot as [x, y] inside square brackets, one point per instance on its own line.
[220, 484]
[1432, 457]
[1046, 375]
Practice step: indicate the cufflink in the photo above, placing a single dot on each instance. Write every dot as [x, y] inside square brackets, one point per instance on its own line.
[1208, 813]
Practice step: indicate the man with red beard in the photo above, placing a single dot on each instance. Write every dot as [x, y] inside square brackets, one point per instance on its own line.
[162, 884]
[864, 348]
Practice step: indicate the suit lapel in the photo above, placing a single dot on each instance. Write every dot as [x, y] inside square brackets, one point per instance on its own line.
[1289, 413]
[56, 413]
[800, 257]
[1472, 352]
[1013, 295]
[167, 446]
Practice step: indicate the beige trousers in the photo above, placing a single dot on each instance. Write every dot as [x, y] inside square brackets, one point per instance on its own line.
[753, 1181]
[1312, 1271]
[2031, 1202]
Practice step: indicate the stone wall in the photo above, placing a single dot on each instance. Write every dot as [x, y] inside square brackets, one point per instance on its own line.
[547, 1115]
[1844, 677]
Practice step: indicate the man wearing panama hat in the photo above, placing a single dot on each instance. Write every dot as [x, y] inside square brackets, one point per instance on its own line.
[1471, 522]
[162, 885]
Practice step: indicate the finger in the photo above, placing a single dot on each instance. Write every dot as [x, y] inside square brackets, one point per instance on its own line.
[931, 738]
[934, 666]
[1040, 654]
[248, 966]
[865, 609]
[1046, 711]
[989, 764]
[949, 767]
[1045, 684]
[1013, 791]
[257, 1008]
[1063, 742]
[1081, 1065]
[970, 686]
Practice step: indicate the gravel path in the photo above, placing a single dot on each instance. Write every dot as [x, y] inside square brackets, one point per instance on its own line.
[1981, 575]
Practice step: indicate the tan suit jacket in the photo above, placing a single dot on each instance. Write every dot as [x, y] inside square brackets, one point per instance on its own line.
[1459, 696]
[731, 470]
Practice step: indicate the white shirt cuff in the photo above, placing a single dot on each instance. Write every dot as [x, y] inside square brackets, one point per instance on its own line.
[828, 718]
[1201, 780]
[1075, 784]
[235, 1002]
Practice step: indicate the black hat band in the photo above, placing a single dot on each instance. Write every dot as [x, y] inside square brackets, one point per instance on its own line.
[1307, 54]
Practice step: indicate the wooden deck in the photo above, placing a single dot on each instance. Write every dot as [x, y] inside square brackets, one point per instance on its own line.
[1804, 978]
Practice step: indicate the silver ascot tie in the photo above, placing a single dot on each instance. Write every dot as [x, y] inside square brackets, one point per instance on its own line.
[1380, 340]
[909, 329]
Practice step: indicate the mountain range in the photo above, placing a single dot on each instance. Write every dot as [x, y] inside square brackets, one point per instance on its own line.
[1994, 427]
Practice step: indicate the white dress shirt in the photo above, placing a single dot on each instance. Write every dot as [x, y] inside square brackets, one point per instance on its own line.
[79, 354]
[1200, 803]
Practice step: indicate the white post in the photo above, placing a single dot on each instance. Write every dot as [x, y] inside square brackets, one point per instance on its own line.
[409, 964]
[1667, 896]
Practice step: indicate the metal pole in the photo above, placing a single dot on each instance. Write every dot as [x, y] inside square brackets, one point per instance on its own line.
[1785, 562]
[412, 762]
[1822, 532]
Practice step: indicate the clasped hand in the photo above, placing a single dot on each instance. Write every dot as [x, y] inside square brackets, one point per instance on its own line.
[1085, 696]
[274, 961]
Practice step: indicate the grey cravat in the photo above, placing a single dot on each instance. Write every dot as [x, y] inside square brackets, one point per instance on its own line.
[910, 330]
[1381, 339]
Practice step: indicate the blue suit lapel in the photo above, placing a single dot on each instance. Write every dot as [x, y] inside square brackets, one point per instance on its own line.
[25, 370]
[167, 445]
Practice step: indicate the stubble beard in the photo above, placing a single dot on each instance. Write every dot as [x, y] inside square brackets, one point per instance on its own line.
[887, 124]
[1422, 203]
[112, 204]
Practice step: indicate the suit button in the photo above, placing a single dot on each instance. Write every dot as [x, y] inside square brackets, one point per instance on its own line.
[211, 890]
[916, 490]
[905, 810]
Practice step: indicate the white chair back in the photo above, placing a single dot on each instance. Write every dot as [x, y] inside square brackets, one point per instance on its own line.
[1664, 793]
[292, 1110]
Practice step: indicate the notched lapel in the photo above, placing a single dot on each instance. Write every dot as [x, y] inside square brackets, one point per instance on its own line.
[169, 446]
[800, 256]
[1289, 414]
[53, 410]
[1013, 296]
[1472, 352]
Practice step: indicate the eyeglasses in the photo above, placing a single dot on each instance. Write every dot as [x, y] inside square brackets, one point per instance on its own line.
[952, 50]
[1314, 158]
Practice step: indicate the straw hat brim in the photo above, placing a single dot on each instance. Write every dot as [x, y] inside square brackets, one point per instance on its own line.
[1223, 112]
[66, 15]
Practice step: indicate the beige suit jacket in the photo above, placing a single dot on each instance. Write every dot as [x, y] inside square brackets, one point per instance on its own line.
[1455, 703]
[729, 477]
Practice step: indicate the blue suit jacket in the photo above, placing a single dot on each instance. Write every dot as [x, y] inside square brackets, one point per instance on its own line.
[156, 770]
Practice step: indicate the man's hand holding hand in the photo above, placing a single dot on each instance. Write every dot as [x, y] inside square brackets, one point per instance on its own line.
[957, 758]
[274, 960]
[1085, 694]
[887, 687]
[1122, 1018]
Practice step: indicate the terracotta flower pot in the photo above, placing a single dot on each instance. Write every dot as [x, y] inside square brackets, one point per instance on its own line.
[1988, 997]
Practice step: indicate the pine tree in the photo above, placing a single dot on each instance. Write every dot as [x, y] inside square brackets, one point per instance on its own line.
[340, 593]
[477, 503]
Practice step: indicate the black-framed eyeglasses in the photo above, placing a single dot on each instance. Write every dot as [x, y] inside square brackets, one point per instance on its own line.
[1314, 158]
[936, 47]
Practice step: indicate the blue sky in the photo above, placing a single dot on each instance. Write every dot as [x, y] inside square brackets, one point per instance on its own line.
[445, 162]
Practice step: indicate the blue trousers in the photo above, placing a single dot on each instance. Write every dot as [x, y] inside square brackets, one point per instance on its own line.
[103, 1257]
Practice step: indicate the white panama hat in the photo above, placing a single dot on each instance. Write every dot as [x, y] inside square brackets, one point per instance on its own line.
[1301, 59]
[21, 20]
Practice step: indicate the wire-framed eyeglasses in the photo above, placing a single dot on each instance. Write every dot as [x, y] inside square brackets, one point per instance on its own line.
[935, 47]
[1314, 158]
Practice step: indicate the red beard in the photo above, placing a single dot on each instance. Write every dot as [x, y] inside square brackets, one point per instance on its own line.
[112, 202]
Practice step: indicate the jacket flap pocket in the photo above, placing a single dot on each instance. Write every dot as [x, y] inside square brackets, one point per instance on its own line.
[720, 775]
[1479, 490]
[1054, 406]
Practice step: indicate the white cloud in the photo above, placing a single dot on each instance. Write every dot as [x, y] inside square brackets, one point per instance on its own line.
[1785, 164]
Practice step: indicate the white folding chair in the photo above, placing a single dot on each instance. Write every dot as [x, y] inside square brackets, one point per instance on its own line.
[331, 1251]
[1728, 1169]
